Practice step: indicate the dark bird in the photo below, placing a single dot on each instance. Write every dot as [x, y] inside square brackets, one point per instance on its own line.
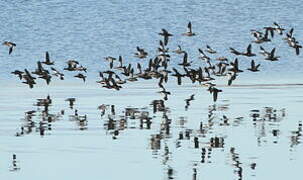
[18, 73]
[248, 52]
[235, 66]
[81, 76]
[166, 35]
[140, 53]
[11, 45]
[47, 59]
[232, 50]
[28, 74]
[29, 79]
[29, 82]
[189, 31]
[297, 47]
[271, 56]
[120, 66]
[253, 67]
[45, 75]
[40, 70]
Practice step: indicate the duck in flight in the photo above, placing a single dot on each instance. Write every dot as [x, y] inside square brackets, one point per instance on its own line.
[271, 56]
[233, 51]
[210, 50]
[140, 53]
[18, 73]
[11, 46]
[166, 35]
[47, 59]
[189, 31]
[80, 76]
[253, 67]
[248, 52]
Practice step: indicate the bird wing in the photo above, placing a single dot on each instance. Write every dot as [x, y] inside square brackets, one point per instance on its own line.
[47, 57]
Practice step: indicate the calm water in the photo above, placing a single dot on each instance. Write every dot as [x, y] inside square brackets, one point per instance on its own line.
[254, 131]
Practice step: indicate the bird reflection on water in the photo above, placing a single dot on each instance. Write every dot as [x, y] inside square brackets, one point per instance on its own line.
[204, 139]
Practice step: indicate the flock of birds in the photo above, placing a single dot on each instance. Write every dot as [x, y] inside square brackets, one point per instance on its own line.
[158, 66]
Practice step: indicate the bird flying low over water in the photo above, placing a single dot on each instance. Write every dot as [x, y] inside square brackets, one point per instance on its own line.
[210, 50]
[232, 50]
[235, 66]
[248, 52]
[47, 59]
[253, 67]
[11, 46]
[162, 66]
[260, 37]
[166, 35]
[18, 73]
[140, 53]
[80, 76]
[189, 31]
[271, 56]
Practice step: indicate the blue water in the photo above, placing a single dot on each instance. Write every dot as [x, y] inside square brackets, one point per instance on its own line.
[88, 31]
